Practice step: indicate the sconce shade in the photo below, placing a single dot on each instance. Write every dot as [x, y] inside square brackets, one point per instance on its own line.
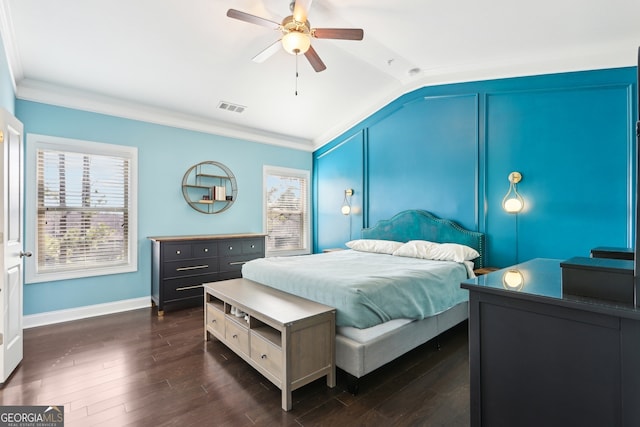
[296, 42]
[346, 204]
[513, 201]
[513, 205]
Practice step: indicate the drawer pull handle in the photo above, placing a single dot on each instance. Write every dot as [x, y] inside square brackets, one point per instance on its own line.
[178, 252]
[206, 249]
[195, 267]
[213, 320]
[264, 356]
[237, 263]
[234, 336]
[186, 288]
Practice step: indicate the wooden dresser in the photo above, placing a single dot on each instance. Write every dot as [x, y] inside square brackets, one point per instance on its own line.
[541, 357]
[181, 264]
[288, 339]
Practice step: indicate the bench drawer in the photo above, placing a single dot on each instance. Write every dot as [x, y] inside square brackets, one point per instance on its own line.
[215, 320]
[266, 355]
[236, 336]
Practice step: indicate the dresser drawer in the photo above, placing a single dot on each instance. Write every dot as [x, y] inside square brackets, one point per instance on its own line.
[267, 355]
[190, 267]
[215, 320]
[253, 246]
[176, 251]
[188, 287]
[234, 263]
[204, 249]
[237, 336]
[229, 247]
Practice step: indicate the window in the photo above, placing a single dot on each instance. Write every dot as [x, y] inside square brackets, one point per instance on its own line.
[81, 201]
[287, 211]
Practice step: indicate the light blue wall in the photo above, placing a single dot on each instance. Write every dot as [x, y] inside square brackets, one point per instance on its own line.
[449, 149]
[164, 155]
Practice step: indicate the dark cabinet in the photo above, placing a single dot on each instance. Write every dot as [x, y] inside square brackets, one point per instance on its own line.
[181, 264]
[540, 356]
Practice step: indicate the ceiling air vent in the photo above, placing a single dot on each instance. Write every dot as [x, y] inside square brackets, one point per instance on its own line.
[231, 107]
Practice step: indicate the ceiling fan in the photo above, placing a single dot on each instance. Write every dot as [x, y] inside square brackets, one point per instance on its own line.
[297, 33]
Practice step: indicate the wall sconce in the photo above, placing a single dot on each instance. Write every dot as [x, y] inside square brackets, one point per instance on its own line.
[513, 280]
[513, 201]
[346, 204]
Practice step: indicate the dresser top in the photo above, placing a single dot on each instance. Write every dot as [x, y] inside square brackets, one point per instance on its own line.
[205, 237]
[541, 280]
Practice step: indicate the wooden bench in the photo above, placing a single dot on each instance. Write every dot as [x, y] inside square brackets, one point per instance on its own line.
[288, 339]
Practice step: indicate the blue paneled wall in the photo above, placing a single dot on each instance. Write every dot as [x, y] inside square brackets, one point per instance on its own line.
[449, 149]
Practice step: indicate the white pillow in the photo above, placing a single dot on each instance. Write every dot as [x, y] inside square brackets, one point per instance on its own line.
[416, 249]
[437, 251]
[373, 245]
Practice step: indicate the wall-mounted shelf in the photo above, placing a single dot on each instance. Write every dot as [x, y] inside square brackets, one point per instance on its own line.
[209, 187]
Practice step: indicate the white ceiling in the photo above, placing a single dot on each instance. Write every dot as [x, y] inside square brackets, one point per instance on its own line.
[172, 62]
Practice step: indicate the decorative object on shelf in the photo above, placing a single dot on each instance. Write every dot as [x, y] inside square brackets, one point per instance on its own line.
[346, 204]
[513, 201]
[209, 187]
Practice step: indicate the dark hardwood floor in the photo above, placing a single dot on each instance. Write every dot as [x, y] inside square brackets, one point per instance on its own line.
[136, 369]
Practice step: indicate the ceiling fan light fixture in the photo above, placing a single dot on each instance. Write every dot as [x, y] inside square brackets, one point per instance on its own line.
[296, 42]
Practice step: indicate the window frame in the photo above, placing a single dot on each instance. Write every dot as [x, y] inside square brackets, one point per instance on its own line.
[306, 233]
[37, 142]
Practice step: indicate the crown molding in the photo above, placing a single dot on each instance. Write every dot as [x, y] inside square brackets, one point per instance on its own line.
[8, 40]
[48, 93]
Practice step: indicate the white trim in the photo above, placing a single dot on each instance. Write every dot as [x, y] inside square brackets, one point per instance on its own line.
[59, 316]
[35, 142]
[8, 40]
[299, 173]
[39, 91]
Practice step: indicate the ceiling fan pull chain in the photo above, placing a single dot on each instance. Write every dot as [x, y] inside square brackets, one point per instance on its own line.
[296, 91]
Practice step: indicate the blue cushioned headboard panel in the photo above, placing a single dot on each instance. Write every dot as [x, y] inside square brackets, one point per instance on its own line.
[423, 225]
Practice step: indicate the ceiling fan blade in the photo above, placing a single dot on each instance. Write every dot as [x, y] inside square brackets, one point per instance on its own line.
[268, 52]
[301, 10]
[314, 60]
[247, 17]
[338, 33]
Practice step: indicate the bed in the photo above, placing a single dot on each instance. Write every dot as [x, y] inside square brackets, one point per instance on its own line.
[391, 321]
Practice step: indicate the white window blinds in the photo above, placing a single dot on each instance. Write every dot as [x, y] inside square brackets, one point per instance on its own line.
[83, 211]
[287, 210]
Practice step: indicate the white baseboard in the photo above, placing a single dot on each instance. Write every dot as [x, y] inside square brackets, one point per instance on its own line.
[52, 317]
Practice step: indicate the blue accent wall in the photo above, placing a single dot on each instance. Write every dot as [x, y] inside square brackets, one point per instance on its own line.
[449, 149]
[164, 155]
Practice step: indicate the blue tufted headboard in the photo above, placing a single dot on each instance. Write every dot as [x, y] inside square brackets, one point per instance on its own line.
[423, 225]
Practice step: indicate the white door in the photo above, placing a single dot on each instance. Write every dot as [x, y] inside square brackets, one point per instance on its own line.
[11, 210]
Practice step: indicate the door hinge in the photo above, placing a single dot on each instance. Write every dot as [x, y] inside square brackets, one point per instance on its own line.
[1, 339]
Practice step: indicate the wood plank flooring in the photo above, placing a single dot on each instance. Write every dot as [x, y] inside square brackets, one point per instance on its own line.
[138, 369]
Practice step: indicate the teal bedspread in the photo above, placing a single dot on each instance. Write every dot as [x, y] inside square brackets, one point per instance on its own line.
[365, 288]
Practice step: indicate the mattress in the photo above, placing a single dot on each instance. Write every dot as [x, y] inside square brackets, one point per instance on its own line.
[367, 289]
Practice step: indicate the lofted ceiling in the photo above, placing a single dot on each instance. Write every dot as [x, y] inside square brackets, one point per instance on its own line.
[174, 62]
